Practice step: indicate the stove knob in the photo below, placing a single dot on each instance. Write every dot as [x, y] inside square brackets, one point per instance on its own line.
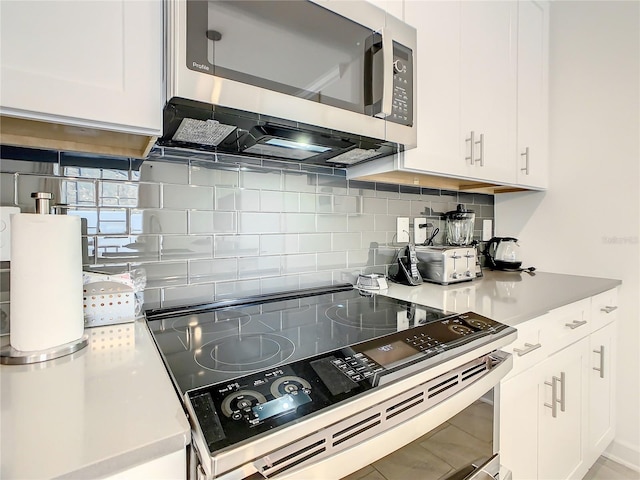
[454, 275]
[468, 273]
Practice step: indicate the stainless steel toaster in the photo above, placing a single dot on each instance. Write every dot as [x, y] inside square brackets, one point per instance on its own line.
[445, 265]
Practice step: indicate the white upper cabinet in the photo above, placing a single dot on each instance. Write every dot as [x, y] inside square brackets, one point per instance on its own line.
[394, 7]
[481, 94]
[466, 89]
[440, 146]
[488, 89]
[533, 59]
[86, 64]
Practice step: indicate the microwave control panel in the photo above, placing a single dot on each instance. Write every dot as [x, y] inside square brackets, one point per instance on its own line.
[402, 105]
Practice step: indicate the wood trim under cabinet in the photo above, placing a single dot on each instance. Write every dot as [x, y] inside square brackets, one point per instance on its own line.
[38, 134]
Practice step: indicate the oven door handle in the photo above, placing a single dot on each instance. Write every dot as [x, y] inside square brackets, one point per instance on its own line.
[487, 470]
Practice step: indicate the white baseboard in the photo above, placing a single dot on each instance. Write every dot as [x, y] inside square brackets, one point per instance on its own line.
[624, 454]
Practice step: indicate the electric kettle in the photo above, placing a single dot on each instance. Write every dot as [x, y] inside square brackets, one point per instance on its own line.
[503, 253]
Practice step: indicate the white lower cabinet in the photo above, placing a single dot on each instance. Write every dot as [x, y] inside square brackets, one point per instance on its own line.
[557, 412]
[542, 413]
[562, 409]
[601, 390]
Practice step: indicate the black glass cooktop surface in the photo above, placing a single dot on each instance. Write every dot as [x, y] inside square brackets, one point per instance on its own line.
[208, 344]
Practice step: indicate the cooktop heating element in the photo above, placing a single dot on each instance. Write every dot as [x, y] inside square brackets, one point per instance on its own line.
[247, 367]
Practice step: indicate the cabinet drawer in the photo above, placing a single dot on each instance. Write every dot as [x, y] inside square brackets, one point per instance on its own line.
[567, 324]
[528, 349]
[604, 309]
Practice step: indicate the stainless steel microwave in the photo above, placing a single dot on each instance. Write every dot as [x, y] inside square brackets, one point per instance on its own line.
[322, 82]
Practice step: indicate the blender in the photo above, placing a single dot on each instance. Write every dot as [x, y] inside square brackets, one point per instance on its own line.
[459, 226]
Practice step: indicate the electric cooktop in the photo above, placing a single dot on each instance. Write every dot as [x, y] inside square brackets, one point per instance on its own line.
[211, 343]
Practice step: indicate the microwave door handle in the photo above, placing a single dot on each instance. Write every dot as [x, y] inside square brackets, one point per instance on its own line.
[387, 74]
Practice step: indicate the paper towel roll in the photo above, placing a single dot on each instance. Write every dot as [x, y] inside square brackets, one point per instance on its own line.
[46, 281]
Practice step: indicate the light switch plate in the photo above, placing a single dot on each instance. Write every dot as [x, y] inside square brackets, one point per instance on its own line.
[419, 234]
[402, 232]
[5, 232]
[487, 230]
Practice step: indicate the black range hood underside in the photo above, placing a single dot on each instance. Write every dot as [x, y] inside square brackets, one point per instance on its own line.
[200, 126]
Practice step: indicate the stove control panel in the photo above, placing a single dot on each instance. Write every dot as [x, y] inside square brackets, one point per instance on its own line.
[234, 411]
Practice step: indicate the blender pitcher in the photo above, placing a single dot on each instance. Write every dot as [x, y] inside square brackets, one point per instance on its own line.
[459, 226]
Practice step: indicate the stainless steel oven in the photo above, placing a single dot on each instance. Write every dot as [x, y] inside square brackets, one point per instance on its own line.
[323, 82]
[319, 383]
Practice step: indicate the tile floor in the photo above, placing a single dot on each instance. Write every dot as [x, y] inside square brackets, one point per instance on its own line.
[454, 444]
[463, 439]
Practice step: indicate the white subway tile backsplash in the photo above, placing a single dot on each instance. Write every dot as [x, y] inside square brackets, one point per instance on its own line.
[261, 179]
[331, 223]
[237, 289]
[250, 222]
[278, 244]
[188, 295]
[298, 223]
[225, 198]
[165, 172]
[236, 245]
[332, 260]
[213, 174]
[158, 221]
[187, 196]
[361, 258]
[174, 247]
[361, 223]
[205, 271]
[257, 267]
[346, 241]
[314, 242]
[300, 263]
[300, 182]
[212, 226]
[248, 200]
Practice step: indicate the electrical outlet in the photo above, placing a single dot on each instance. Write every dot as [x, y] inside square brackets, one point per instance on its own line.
[402, 230]
[419, 234]
[5, 232]
[487, 230]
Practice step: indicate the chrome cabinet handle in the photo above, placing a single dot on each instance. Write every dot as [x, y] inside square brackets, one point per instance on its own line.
[608, 309]
[525, 154]
[601, 353]
[528, 349]
[562, 392]
[575, 324]
[481, 143]
[472, 143]
[554, 394]
[386, 107]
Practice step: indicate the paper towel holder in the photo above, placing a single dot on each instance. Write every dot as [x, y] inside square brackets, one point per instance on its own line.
[10, 355]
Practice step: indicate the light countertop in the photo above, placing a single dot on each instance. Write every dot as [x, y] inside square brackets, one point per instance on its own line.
[507, 297]
[104, 409]
[112, 406]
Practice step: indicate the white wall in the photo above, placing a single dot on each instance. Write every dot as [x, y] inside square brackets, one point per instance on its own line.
[588, 223]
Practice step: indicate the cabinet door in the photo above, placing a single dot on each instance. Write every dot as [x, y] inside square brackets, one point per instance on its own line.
[562, 430]
[96, 64]
[519, 424]
[532, 137]
[488, 88]
[601, 372]
[393, 7]
[440, 148]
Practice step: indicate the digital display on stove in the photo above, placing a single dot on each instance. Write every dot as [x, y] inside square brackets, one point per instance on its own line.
[280, 405]
[391, 353]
